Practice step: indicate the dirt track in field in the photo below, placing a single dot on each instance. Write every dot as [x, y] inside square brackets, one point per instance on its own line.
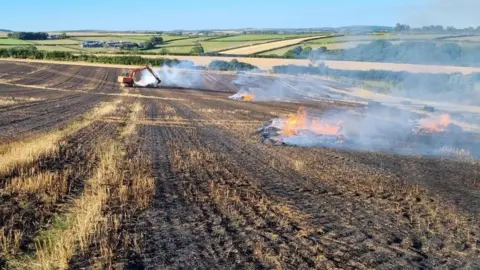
[224, 200]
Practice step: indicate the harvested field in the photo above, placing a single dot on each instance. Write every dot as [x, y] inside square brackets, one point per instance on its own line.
[177, 178]
[268, 46]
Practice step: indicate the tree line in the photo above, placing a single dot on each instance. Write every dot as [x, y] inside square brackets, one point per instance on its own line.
[233, 64]
[411, 52]
[414, 83]
[152, 42]
[28, 35]
[434, 29]
[34, 53]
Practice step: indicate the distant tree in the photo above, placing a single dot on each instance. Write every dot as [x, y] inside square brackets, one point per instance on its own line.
[28, 35]
[451, 51]
[63, 35]
[232, 65]
[156, 40]
[297, 50]
[398, 27]
[129, 46]
[401, 28]
[451, 28]
[197, 50]
[148, 45]
[322, 49]
[307, 50]
[289, 54]
[438, 28]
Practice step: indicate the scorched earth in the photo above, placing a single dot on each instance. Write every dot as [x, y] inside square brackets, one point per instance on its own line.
[93, 175]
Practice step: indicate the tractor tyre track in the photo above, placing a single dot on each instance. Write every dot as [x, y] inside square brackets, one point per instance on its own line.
[180, 226]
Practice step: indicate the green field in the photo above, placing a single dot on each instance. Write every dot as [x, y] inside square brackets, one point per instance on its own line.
[44, 48]
[113, 38]
[173, 43]
[282, 51]
[187, 41]
[56, 41]
[56, 48]
[184, 49]
[183, 44]
[9, 41]
[346, 42]
[213, 46]
[258, 37]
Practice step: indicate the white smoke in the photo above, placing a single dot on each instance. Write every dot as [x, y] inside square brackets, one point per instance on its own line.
[175, 76]
[385, 130]
[277, 88]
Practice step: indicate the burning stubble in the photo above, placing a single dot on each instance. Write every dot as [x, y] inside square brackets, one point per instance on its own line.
[371, 130]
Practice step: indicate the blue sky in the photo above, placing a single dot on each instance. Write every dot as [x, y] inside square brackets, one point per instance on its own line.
[49, 15]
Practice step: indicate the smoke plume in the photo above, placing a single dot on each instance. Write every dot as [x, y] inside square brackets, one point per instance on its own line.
[380, 129]
[177, 75]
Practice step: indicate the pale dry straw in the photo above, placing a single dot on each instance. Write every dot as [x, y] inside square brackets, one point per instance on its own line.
[20, 153]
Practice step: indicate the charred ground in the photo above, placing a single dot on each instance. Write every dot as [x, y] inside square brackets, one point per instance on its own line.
[194, 186]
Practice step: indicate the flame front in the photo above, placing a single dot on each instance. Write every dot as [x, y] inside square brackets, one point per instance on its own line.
[300, 121]
[248, 97]
[438, 124]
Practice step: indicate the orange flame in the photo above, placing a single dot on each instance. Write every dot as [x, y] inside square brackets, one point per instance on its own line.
[300, 121]
[248, 97]
[436, 124]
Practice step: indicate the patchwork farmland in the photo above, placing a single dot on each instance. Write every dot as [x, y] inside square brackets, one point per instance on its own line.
[181, 44]
[265, 45]
[268, 46]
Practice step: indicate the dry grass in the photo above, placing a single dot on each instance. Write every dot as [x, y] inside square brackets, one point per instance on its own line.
[266, 254]
[17, 155]
[50, 186]
[268, 46]
[8, 102]
[9, 241]
[134, 114]
[14, 100]
[216, 111]
[32, 186]
[17, 99]
[245, 206]
[118, 188]
[75, 230]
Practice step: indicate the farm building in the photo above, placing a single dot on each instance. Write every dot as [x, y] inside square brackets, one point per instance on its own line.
[122, 44]
[91, 44]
